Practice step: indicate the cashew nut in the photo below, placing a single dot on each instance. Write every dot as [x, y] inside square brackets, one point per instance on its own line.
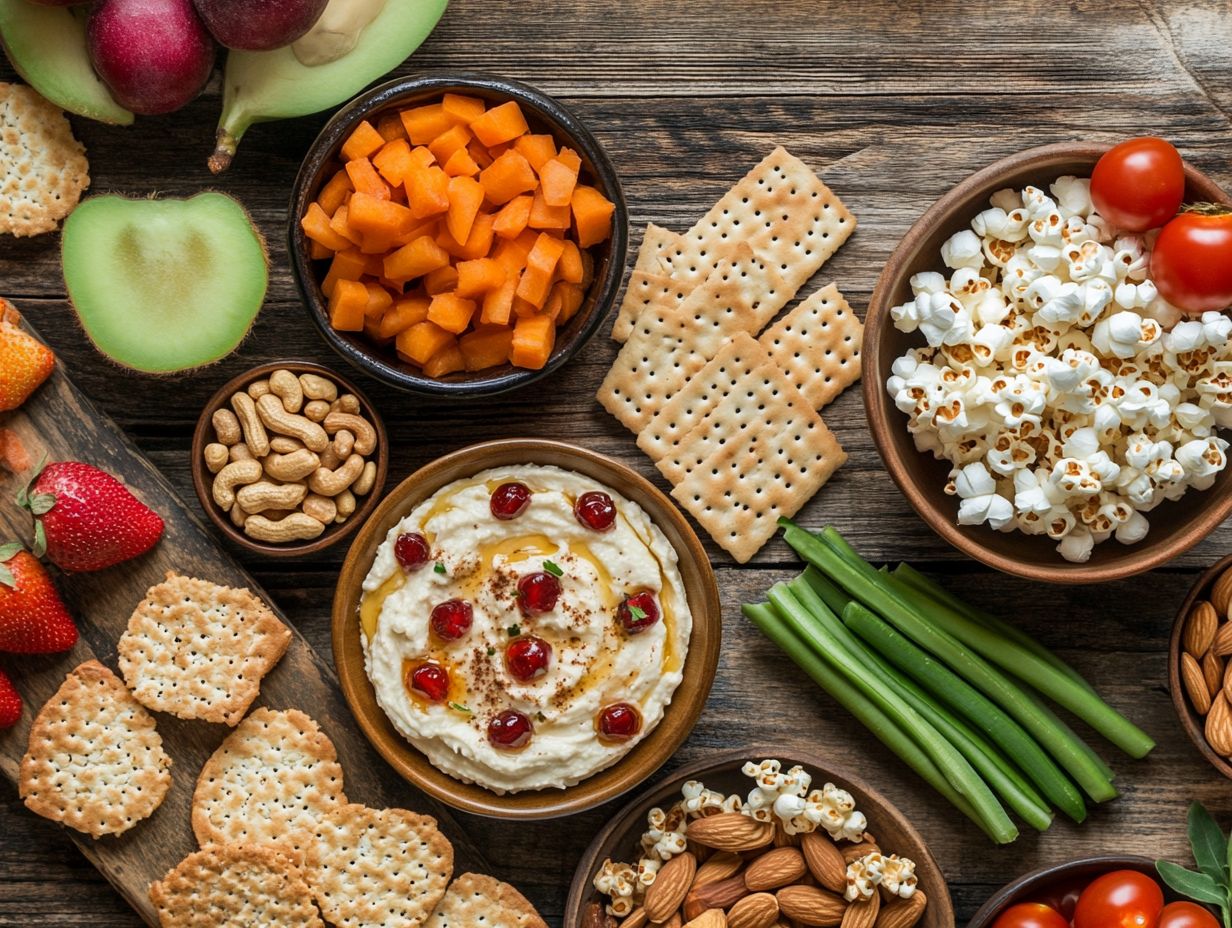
[294, 527]
[317, 387]
[344, 444]
[348, 402]
[254, 432]
[367, 477]
[240, 452]
[226, 426]
[291, 467]
[332, 482]
[321, 508]
[258, 388]
[237, 473]
[361, 428]
[257, 497]
[316, 410]
[286, 386]
[277, 419]
[345, 501]
[284, 444]
[216, 456]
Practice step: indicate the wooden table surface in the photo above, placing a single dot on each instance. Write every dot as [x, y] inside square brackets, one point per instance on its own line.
[892, 103]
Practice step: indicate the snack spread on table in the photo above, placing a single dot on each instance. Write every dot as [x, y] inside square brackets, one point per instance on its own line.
[525, 627]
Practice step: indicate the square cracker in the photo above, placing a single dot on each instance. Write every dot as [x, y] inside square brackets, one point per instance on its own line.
[643, 289]
[656, 241]
[234, 886]
[783, 210]
[384, 868]
[474, 899]
[817, 345]
[270, 781]
[43, 169]
[199, 650]
[95, 760]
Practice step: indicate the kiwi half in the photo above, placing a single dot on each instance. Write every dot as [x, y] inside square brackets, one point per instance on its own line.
[164, 285]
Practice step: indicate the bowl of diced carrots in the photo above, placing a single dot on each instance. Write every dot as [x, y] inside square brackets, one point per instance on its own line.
[457, 235]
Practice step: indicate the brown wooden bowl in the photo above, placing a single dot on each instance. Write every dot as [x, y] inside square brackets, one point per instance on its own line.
[1191, 721]
[619, 838]
[649, 754]
[545, 114]
[203, 479]
[1175, 526]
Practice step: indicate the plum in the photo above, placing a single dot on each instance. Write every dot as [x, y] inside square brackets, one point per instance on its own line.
[155, 55]
[59, 2]
[259, 25]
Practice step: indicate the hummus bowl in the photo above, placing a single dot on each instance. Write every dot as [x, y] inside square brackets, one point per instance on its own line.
[513, 654]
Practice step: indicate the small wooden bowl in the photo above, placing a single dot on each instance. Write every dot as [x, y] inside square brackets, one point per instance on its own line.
[203, 479]
[544, 114]
[1175, 526]
[619, 839]
[649, 754]
[1191, 721]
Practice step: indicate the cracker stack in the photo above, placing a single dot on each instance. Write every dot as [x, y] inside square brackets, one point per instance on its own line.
[724, 405]
[43, 169]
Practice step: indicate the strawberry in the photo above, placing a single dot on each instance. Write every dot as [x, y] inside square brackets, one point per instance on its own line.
[25, 362]
[33, 618]
[85, 519]
[10, 702]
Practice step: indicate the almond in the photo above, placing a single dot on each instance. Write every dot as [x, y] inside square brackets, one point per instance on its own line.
[1222, 645]
[856, 851]
[671, 884]
[811, 906]
[722, 894]
[1227, 680]
[719, 866]
[674, 922]
[1221, 594]
[1200, 628]
[731, 831]
[825, 861]
[760, 910]
[1195, 683]
[1219, 725]
[902, 913]
[780, 867]
[863, 912]
[1212, 671]
[783, 839]
[595, 917]
[711, 918]
[636, 919]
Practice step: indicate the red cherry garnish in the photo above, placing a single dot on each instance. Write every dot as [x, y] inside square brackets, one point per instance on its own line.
[537, 593]
[452, 619]
[431, 681]
[510, 730]
[619, 722]
[596, 511]
[509, 500]
[412, 551]
[527, 658]
[638, 612]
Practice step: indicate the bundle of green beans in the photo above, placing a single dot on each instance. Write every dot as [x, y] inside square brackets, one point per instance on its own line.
[955, 692]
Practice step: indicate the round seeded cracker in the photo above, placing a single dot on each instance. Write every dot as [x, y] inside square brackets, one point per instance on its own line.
[235, 886]
[270, 781]
[43, 169]
[370, 868]
[95, 760]
[477, 900]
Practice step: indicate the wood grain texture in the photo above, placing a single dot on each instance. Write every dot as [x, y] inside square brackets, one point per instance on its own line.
[892, 103]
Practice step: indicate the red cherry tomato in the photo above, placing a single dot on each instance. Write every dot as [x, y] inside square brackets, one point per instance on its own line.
[1192, 261]
[1139, 184]
[1063, 898]
[1030, 915]
[1121, 899]
[1186, 915]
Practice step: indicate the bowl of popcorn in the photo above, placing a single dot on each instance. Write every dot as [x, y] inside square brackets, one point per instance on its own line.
[1037, 400]
[756, 837]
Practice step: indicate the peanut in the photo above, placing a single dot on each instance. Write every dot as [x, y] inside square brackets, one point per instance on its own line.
[321, 508]
[240, 452]
[316, 410]
[255, 435]
[361, 428]
[237, 473]
[316, 387]
[263, 495]
[291, 467]
[332, 482]
[276, 418]
[346, 505]
[348, 403]
[226, 426]
[344, 444]
[238, 517]
[295, 527]
[364, 482]
[285, 444]
[286, 386]
[258, 389]
[216, 456]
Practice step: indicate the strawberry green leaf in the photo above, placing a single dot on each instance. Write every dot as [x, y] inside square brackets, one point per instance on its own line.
[41, 503]
[6, 577]
[39, 548]
[8, 550]
[23, 495]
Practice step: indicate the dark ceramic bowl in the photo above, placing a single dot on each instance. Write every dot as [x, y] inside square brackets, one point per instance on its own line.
[1175, 526]
[545, 115]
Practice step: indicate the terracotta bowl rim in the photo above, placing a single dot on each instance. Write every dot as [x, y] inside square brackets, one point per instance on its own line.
[647, 756]
[202, 480]
[885, 421]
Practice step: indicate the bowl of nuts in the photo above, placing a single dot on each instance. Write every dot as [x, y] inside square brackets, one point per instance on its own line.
[740, 839]
[288, 458]
[1198, 678]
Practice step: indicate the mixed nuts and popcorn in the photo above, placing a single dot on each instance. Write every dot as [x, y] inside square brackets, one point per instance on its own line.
[1206, 644]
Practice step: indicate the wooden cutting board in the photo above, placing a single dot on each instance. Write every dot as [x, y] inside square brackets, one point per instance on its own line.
[62, 423]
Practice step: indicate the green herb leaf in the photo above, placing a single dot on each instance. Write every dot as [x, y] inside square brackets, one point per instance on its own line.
[513, 630]
[6, 577]
[439, 567]
[553, 569]
[1210, 848]
[491, 650]
[39, 548]
[1197, 886]
[23, 495]
[41, 503]
[637, 612]
[7, 551]
[460, 708]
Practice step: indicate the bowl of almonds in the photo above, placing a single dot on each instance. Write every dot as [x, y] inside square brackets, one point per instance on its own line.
[755, 838]
[1199, 678]
[288, 458]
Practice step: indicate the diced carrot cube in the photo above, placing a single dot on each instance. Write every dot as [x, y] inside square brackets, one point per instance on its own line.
[500, 124]
[571, 297]
[340, 222]
[543, 216]
[479, 276]
[416, 259]
[465, 198]
[422, 227]
[423, 156]
[372, 329]
[390, 127]
[451, 312]
[533, 287]
[379, 300]
[537, 149]
[318, 252]
[393, 161]
[570, 159]
[371, 215]
[498, 304]
[421, 341]
[316, 226]
[462, 108]
[365, 178]
[446, 361]
[477, 244]
[402, 315]
[441, 280]
[485, 348]
[533, 340]
[506, 177]
[347, 305]
[347, 265]
[513, 217]
[461, 164]
[522, 307]
[569, 267]
[480, 153]
[427, 192]
[557, 179]
[545, 253]
[448, 142]
[334, 193]
[424, 123]
[363, 142]
[592, 215]
[377, 244]
[511, 253]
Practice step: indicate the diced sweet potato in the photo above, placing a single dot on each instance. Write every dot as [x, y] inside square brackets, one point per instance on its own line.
[424, 123]
[316, 226]
[537, 149]
[379, 300]
[441, 280]
[451, 312]
[465, 198]
[569, 267]
[405, 313]
[318, 252]
[571, 297]
[347, 305]
[498, 303]
[513, 217]
[421, 341]
[390, 127]
[477, 277]
[463, 108]
[365, 179]
[543, 216]
[427, 192]
[461, 164]
[346, 265]
[371, 215]
[545, 253]
[477, 244]
[557, 178]
[340, 222]
[393, 161]
[487, 347]
[506, 177]
[532, 343]
[363, 142]
[335, 191]
[502, 123]
[592, 215]
[415, 259]
[452, 140]
[446, 361]
[480, 153]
